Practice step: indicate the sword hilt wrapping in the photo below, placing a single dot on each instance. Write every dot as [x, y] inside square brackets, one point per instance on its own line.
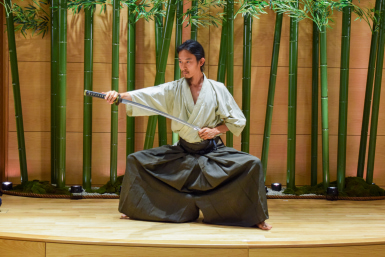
[117, 101]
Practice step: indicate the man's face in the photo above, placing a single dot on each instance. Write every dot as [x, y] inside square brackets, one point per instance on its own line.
[188, 64]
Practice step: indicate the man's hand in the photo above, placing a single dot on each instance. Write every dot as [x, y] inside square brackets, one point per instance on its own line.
[111, 96]
[208, 133]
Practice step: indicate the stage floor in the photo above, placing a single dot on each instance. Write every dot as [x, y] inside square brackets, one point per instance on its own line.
[62, 227]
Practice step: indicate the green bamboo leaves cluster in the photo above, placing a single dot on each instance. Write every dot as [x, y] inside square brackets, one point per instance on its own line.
[33, 18]
[16, 92]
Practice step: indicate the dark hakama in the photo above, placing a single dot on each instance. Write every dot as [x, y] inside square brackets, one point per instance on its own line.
[171, 183]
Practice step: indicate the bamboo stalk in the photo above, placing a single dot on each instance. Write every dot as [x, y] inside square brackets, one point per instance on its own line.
[270, 97]
[194, 28]
[314, 113]
[130, 122]
[221, 74]
[246, 80]
[115, 86]
[376, 97]
[230, 58]
[324, 107]
[178, 42]
[292, 108]
[88, 83]
[161, 71]
[162, 125]
[368, 94]
[62, 84]
[16, 93]
[343, 108]
[54, 88]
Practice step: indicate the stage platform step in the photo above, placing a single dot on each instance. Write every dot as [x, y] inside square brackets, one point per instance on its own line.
[92, 227]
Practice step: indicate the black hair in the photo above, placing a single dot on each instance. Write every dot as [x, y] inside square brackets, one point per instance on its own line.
[194, 48]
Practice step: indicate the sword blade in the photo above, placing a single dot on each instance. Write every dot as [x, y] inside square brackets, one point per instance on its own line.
[144, 107]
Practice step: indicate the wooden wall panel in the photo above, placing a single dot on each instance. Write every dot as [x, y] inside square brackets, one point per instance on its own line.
[12, 248]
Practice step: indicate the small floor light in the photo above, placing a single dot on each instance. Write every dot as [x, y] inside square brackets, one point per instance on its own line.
[266, 189]
[332, 194]
[76, 189]
[6, 185]
[276, 187]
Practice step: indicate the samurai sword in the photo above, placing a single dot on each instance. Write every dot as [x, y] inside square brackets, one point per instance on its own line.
[119, 100]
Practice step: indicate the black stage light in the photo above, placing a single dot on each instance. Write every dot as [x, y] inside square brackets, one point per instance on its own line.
[266, 189]
[6, 185]
[276, 186]
[332, 193]
[76, 189]
[1, 202]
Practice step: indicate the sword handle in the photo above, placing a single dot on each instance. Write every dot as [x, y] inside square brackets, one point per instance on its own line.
[117, 101]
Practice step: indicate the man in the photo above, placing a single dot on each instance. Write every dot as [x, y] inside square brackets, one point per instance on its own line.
[171, 183]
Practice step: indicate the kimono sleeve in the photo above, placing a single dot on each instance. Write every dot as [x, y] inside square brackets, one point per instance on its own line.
[158, 97]
[229, 111]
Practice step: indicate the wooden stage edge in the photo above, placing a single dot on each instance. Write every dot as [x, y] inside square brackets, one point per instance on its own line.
[62, 227]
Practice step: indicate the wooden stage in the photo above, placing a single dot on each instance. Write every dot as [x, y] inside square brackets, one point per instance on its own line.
[61, 227]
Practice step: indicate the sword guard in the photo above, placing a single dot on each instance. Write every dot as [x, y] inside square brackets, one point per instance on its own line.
[118, 100]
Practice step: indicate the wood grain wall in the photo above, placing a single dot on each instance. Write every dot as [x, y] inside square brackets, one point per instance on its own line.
[34, 65]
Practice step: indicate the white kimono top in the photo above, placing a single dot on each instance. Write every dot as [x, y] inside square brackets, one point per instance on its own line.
[214, 106]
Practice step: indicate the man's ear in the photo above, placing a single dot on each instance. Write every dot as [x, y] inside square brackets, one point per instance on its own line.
[202, 61]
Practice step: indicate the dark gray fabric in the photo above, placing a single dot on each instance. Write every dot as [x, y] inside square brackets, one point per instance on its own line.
[168, 183]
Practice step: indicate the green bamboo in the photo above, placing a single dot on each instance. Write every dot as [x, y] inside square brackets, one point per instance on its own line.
[54, 88]
[376, 97]
[88, 83]
[368, 94]
[314, 112]
[230, 58]
[162, 124]
[62, 84]
[292, 108]
[194, 27]
[178, 42]
[130, 122]
[16, 93]
[343, 108]
[221, 74]
[115, 86]
[324, 107]
[270, 97]
[246, 80]
[161, 70]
